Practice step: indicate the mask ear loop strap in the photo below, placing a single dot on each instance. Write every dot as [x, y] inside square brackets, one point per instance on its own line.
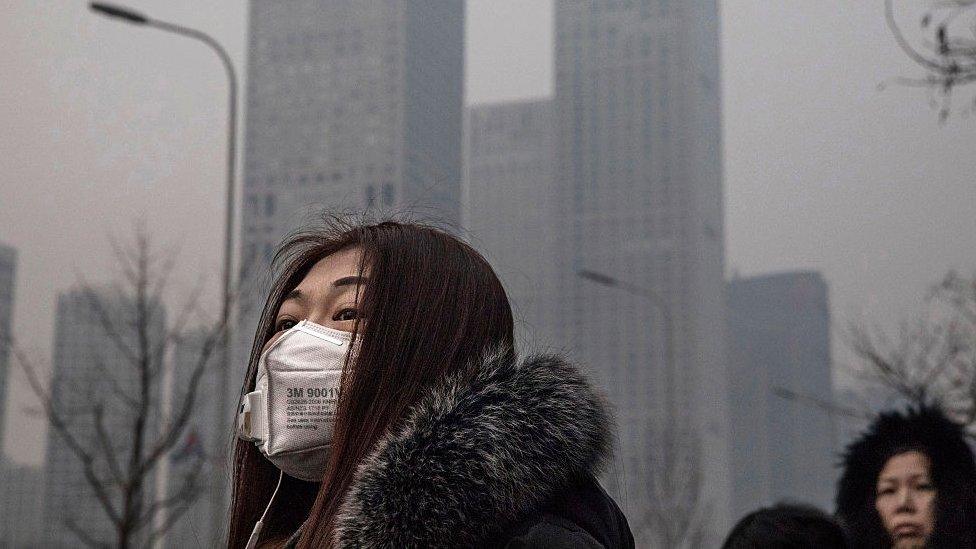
[252, 542]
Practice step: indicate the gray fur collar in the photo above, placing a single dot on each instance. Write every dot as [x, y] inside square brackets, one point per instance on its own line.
[475, 455]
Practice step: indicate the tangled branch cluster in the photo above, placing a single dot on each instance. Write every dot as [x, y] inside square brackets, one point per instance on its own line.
[947, 51]
[933, 360]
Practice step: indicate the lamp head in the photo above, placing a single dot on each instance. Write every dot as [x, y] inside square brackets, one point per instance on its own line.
[118, 12]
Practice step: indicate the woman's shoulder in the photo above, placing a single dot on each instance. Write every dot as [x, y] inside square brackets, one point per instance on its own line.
[581, 516]
[552, 532]
[475, 452]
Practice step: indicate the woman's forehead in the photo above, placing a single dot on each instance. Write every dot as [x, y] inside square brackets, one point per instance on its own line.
[911, 461]
[342, 264]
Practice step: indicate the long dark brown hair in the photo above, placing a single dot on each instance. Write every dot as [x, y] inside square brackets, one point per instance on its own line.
[431, 305]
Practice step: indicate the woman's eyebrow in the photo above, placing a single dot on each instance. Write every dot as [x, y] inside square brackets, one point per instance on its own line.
[295, 294]
[349, 281]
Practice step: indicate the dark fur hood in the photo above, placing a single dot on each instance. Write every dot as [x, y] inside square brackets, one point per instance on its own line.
[476, 454]
[925, 429]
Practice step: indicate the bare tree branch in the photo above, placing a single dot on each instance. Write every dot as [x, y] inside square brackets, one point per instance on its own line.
[120, 466]
[674, 507]
[934, 360]
[116, 389]
[83, 535]
[931, 64]
[949, 60]
[104, 441]
[188, 492]
[124, 260]
[171, 435]
[180, 507]
[58, 424]
[105, 321]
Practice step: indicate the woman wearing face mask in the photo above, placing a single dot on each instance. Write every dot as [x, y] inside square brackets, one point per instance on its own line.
[440, 435]
[910, 482]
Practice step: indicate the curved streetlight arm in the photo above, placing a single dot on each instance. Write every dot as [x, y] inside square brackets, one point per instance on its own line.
[231, 147]
[607, 280]
[828, 406]
[649, 294]
[202, 37]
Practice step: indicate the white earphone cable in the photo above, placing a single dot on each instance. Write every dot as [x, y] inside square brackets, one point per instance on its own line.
[252, 542]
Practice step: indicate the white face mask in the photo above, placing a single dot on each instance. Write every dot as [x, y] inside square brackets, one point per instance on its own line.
[290, 415]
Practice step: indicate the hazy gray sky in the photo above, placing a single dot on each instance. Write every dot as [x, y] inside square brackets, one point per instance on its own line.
[107, 123]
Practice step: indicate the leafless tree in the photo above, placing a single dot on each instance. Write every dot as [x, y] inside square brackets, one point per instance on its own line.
[120, 464]
[674, 512]
[946, 49]
[932, 360]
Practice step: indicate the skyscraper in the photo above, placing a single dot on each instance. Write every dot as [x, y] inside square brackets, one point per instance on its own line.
[92, 375]
[8, 265]
[782, 435]
[508, 210]
[639, 183]
[350, 105]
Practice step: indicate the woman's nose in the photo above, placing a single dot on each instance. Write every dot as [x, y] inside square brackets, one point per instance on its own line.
[906, 501]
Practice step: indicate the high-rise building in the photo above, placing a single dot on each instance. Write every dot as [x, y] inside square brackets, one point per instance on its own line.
[8, 265]
[508, 212]
[20, 506]
[639, 203]
[350, 106]
[782, 428]
[93, 376]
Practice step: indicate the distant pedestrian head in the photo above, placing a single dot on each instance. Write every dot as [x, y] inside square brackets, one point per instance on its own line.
[787, 527]
[909, 481]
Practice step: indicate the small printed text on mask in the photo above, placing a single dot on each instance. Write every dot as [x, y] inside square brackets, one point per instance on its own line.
[310, 407]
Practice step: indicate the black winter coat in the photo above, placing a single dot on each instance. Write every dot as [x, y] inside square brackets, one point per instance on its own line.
[583, 516]
[504, 456]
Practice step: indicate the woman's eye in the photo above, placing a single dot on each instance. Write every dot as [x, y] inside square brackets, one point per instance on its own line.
[284, 324]
[346, 314]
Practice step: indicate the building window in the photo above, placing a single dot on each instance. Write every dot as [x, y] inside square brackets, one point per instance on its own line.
[269, 205]
[389, 194]
[370, 196]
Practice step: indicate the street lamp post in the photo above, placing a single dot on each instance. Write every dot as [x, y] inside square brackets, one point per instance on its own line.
[828, 406]
[217, 481]
[662, 304]
[677, 494]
